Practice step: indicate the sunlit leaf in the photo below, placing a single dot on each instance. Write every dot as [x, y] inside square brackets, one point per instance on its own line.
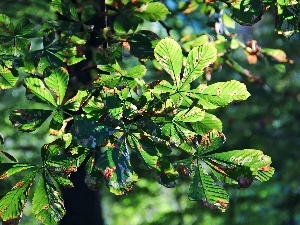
[198, 59]
[9, 169]
[204, 188]
[152, 11]
[36, 90]
[12, 204]
[168, 53]
[57, 82]
[47, 204]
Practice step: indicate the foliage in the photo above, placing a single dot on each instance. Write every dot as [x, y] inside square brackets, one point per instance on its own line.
[119, 114]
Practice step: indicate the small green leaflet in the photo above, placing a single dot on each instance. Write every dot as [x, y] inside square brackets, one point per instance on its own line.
[8, 78]
[47, 204]
[204, 188]
[57, 82]
[198, 59]
[220, 93]
[152, 11]
[168, 53]
[9, 169]
[12, 204]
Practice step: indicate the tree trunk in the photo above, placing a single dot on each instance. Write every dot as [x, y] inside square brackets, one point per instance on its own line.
[83, 206]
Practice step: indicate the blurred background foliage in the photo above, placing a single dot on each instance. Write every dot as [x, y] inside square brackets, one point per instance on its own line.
[269, 120]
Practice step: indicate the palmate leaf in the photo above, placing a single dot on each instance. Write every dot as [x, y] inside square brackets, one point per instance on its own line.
[8, 78]
[37, 91]
[57, 82]
[115, 166]
[220, 93]
[204, 188]
[47, 204]
[198, 59]
[28, 120]
[12, 204]
[168, 53]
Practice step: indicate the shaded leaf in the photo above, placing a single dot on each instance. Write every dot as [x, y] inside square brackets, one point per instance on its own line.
[90, 133]
[115, 166]
[28, 120]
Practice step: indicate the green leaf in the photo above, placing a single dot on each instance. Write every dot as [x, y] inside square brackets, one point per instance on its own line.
[152, 11]
[141, 43]
[8, 78]
[90, 133]
[94, 108]
[136, 71]
[168, 53]
[37, 91]
[66, 8]
[47, 204]
[194, 114]
[28, 120]
[211, 141]
[93, 177]
[208, 123]
[57, 124]
[9, 169]
[198, 59]
[88, 13]
[220, 93]
[12, 204]
[164, 86]
[126, 22]
[204, 188]
[248, 157]
[247, 12]
[287, 17]
[57, 82]
[115, 166]
[76, 101]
